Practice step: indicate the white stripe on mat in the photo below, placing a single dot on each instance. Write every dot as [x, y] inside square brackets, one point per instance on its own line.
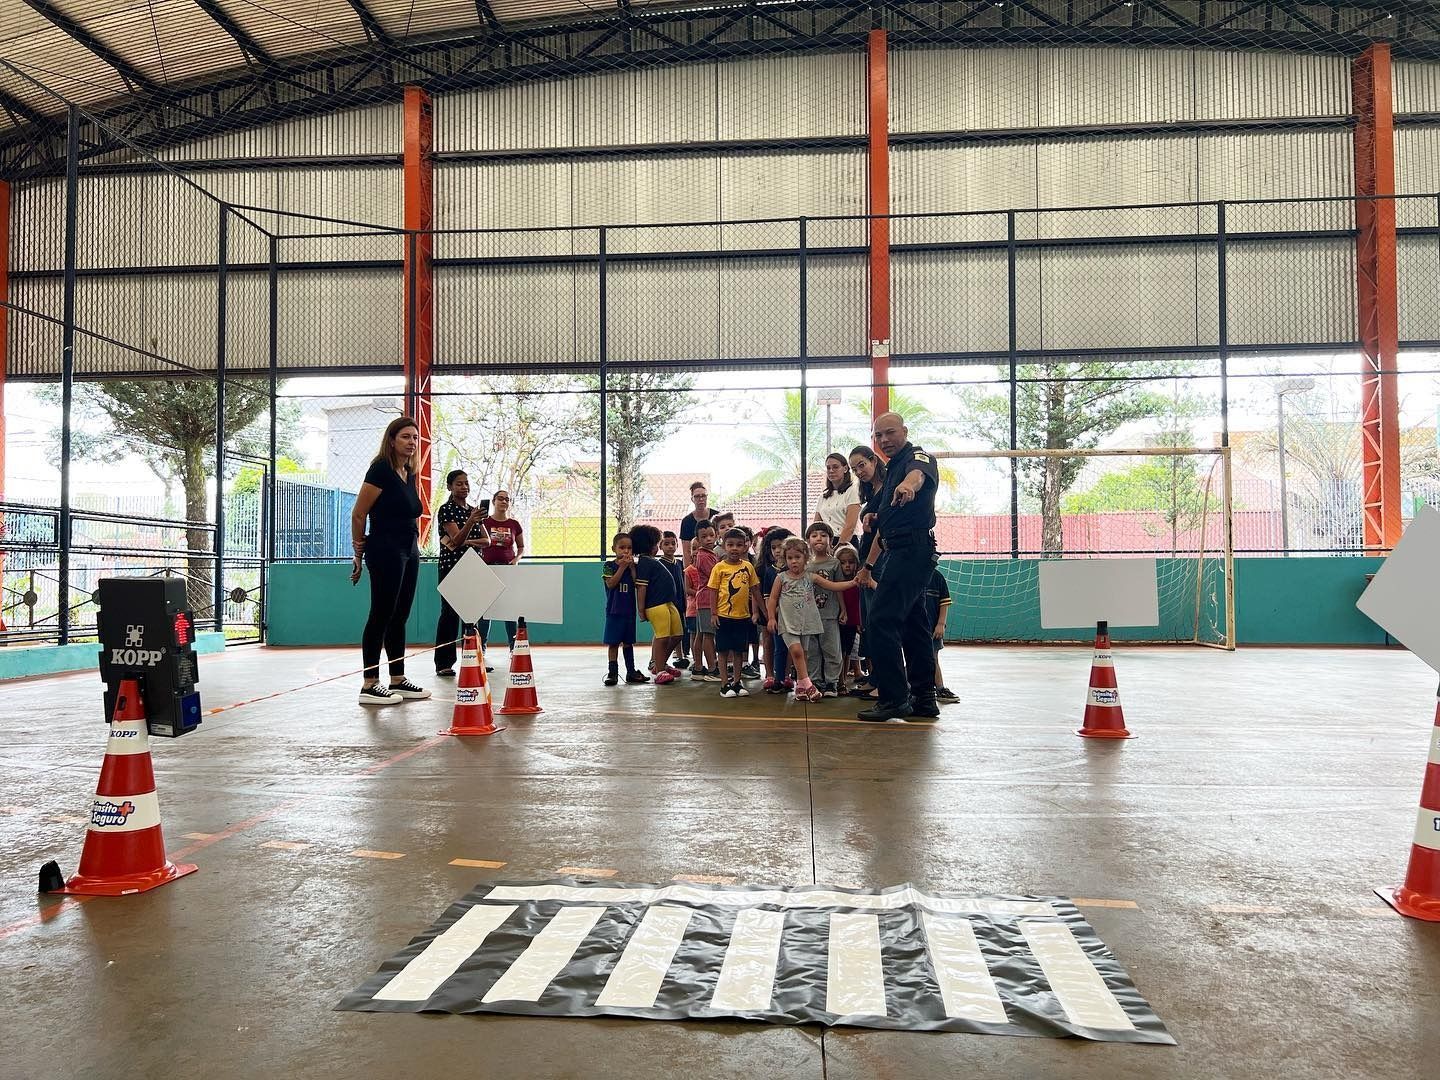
[1082, 992]
[854, 978]
[965, 983]
[747, 976]
[744, 898]
[422, 976]
[636, 980]
[548, 952]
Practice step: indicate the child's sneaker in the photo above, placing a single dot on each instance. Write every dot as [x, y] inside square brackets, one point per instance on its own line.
[664, 678]
[713, 676]
[612, 678]
[378, 695]
[740, 690]
[408, 690]
[750, 671]
[683, 662]
[828, 690]
[946, 696]
[768, 686]
[636, 677]
[728, 690]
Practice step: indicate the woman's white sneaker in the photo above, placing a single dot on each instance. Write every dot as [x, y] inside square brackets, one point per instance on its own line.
[378, 695]
[408, 690]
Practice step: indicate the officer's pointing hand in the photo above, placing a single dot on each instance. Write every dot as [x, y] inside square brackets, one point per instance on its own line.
[902, 496]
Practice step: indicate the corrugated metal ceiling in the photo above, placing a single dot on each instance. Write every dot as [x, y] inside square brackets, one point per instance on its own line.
[175, 41]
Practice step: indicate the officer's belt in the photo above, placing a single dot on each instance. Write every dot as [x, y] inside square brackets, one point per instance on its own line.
[905, 538]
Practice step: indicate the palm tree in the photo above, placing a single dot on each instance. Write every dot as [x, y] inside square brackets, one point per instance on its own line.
[779, 452]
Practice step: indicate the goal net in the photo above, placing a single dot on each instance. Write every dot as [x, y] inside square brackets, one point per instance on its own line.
[1001, 513]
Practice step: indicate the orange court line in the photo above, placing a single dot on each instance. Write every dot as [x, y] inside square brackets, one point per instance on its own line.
[1374, 912]
[196, 835]
[481, 864]
[585, 871]
[705, 879]
[285, 845]
[1080, 901]
[365, 854]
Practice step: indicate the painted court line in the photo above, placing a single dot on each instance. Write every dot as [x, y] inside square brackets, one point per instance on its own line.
[586, 871]
[365, 853]
[285, 845]
[705, 879]
[479, 864]
[1081, 901]
[1374, 912]
[196, 836]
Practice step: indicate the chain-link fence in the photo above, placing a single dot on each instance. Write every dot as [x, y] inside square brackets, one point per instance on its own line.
[644, 250]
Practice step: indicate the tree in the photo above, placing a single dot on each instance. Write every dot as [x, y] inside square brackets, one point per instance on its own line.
[643, 408]
[170, 425]
[1065, 405]
[779, 453]
[1170, 488]
[501, 436]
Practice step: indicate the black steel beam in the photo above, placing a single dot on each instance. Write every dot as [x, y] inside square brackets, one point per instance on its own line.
[487, 15]
[132, 75]
[250, 48]
[630, 39]
[371, 25]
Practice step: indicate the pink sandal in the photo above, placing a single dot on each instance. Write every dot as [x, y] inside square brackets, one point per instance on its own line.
[664, 677]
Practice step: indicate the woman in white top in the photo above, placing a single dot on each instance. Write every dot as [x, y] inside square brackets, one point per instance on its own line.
[840, 504]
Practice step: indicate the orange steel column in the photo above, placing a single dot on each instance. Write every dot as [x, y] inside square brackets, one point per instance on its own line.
[4, 347]
[1376, 296]
[878, 201]
[420, 310]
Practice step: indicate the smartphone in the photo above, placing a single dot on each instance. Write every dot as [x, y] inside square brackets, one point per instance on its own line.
[484, 508]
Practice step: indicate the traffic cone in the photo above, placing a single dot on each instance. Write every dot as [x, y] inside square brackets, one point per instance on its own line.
[1419, 897]
[520, 694]
[1104, 718]
[473, 714]
[124, 851]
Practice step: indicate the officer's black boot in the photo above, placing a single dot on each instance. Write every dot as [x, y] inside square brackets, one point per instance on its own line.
[884, 710]
[923, 707]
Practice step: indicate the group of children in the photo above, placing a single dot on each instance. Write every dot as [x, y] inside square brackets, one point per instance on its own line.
[796, 607]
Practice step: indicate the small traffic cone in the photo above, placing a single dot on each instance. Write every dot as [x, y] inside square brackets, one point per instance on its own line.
[520, 694]
[124, 851]
[473, 714]
[1104, 718]
[1419, 897]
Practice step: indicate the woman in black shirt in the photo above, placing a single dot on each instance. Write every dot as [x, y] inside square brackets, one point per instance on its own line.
[869, 469]
[391, 552]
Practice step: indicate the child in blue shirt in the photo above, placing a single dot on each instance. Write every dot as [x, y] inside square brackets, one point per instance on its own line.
[620, 610]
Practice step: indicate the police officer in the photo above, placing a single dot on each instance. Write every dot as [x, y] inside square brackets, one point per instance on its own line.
[896, 623]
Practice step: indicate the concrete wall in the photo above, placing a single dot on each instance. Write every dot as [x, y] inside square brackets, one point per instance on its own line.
[1308, 601]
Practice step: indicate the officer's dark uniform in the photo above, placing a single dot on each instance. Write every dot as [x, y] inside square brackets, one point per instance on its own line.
[896, 621]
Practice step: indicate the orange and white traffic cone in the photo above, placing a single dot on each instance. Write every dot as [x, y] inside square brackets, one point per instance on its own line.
[1419, 897]
[124, 850]
[473, 715]
[520, 693]
[1104, 719]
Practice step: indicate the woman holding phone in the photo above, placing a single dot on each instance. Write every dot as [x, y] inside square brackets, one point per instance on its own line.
[461, 527]
[391, 552]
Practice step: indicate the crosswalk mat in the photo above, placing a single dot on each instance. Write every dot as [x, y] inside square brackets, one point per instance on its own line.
[899, 958]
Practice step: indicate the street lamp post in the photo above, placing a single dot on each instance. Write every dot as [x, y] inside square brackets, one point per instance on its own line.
[1289, 386]
[828, 398]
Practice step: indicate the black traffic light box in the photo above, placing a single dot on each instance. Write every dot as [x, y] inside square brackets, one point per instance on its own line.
[147, 632]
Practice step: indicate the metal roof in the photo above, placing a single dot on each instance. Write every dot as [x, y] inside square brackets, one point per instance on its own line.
[159, 72]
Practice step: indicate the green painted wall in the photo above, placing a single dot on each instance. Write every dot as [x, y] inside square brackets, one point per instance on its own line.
[1278, 601]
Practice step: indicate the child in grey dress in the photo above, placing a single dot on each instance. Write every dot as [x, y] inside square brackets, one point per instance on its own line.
[792, 612]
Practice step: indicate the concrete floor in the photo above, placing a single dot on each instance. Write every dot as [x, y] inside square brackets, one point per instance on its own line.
[1268, 792]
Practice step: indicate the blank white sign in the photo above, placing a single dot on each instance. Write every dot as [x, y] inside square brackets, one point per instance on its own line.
[471, 586]
[533, 590]
[1404, 598]
[1082, 592]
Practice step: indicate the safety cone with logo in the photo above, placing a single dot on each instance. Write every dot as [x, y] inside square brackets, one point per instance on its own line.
[1104, 718]
[124, 850]
[1419, 897]
[520, 694]
[473, 714]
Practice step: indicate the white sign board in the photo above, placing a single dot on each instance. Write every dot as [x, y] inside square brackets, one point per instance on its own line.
[471, 586]
[533, 590]
[1404, 598]
[1082, 592]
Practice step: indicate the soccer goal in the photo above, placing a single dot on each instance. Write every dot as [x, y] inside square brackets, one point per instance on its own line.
[1001, 513]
